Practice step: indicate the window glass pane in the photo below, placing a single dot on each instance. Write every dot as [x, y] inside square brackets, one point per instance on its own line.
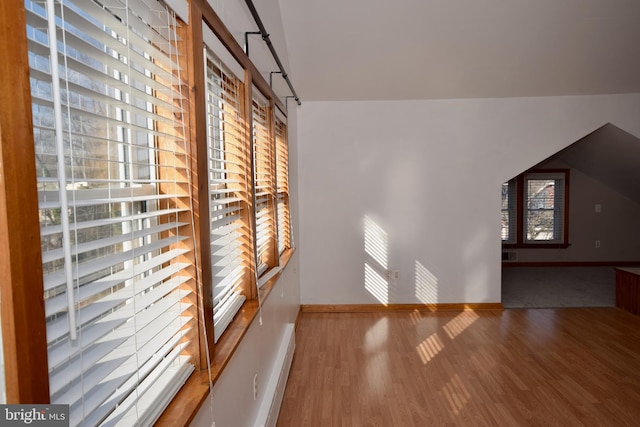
[544, 209]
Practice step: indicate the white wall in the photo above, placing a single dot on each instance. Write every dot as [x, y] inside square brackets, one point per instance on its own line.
[231, 404]
[428, 174]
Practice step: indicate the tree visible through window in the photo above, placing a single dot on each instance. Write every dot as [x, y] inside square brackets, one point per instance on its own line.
[534, 209]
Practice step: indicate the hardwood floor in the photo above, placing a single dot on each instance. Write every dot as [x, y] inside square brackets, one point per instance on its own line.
[537, 367]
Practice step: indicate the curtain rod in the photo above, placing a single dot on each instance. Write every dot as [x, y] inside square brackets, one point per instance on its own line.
[267, 40]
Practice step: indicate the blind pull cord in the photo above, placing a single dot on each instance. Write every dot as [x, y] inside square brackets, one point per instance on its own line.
[62, 177]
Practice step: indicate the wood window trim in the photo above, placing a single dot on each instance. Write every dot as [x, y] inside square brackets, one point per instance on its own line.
[535, 245]
[23, 318]
[191, 36]
[520, 242]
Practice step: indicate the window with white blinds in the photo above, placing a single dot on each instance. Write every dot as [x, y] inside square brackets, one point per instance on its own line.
[508, 218]
[229, 168]
[545, 205]
[534, 209]
[265, 186]
[282, 187]
[113, 205]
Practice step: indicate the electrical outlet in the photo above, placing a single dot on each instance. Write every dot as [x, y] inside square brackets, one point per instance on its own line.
[598, 208]
[255, 387]
[393, 274]
[597, 243]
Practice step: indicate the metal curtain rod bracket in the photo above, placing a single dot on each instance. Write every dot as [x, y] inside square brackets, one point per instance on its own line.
[267, 40]
[286, 101]
[271, 77]
[246, 40]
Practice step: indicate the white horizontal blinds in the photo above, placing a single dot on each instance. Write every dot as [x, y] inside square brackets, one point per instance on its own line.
[508, 217]
[264, 181]
[229, 160]
[111, 166]
[282, 179]
[545, 205]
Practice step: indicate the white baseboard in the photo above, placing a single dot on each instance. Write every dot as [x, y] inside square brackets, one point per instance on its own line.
[274, 392]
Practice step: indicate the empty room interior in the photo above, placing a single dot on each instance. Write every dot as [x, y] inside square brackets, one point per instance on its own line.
[241, 213]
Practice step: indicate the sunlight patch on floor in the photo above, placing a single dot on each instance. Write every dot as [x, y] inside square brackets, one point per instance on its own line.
[458, 324]
[429, 348]
[456, 394]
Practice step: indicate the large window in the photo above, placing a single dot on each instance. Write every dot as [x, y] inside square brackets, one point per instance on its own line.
[111, 171]
[229, 171]
[535, 209]
[282, 174]
[153, 161]
[265, 185]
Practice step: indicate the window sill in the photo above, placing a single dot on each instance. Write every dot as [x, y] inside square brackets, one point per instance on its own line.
[535, 245]
[192, 395]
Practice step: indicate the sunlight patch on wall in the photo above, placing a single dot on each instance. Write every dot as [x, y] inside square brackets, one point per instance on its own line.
[426, 286]
[375, 266]
[429, 348]
[375, 242]
[456, 394]
[458, 324]
[376, 284]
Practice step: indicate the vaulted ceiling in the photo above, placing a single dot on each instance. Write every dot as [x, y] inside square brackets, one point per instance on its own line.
[431, 49]
[609, 155]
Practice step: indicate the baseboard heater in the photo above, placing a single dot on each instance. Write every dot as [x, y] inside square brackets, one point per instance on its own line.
[274, 392]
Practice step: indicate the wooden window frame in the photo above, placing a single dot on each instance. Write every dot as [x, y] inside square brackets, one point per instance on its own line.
[520, 242]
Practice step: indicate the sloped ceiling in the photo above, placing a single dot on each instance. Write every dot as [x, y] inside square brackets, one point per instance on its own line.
[430, 49]
[609, 155]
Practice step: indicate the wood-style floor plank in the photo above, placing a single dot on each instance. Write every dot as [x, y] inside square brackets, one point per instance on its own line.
[537, 367]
